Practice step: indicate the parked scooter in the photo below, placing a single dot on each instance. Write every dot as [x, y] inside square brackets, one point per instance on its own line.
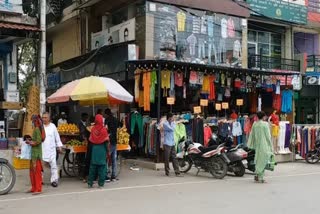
[249, 164]
[7, 176]
[212, 159]
[236, 155]
[313, 156]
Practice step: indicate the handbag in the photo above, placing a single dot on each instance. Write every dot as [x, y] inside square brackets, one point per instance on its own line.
[271, 163]
[25, 151]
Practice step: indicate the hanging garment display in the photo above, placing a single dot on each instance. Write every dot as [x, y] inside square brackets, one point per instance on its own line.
[181, 20]
[287, 96]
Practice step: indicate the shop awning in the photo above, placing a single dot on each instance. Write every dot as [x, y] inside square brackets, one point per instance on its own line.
[14, 26]
[231, 7]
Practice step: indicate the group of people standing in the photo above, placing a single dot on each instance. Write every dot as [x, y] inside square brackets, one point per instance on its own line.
[45, 142]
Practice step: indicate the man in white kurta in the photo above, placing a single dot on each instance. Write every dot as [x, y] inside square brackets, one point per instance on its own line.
[50, 146]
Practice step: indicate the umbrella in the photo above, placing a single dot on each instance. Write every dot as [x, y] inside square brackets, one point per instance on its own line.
[92, 90]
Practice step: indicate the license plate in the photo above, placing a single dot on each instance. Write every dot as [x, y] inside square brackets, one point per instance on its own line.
[245, 162]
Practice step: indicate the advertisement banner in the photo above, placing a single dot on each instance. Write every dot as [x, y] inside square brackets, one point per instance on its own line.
[11, 6]
[279, 9]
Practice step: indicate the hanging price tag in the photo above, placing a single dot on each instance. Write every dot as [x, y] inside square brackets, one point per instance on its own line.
[170, 100]
[203, 102]
[197, 109]
[218, 107]
[239, 102]
[225, 105]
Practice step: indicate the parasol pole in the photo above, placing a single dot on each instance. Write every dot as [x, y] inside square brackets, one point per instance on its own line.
[93, 107]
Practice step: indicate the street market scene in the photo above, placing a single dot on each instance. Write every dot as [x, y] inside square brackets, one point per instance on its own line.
[159, 106]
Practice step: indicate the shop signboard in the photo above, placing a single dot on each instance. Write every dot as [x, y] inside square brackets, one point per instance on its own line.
[190, 35]
[280, 9]
[225, 105]
[239, 102]
[203, 102]
[170, 100]
[11, 6]
[218, 106]
[197, 109]
[312, 80]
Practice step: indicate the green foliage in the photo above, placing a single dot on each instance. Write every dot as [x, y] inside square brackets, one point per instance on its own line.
[27, 63]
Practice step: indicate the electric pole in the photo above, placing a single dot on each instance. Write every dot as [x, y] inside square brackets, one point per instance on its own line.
[42, 77]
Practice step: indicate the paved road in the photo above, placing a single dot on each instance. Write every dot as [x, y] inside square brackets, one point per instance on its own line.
[292, 188]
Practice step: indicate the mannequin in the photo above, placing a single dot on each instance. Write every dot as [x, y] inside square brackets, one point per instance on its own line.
[274, 121]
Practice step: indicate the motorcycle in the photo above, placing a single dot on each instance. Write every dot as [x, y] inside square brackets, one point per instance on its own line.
[313, 156]
[236, 155]
[211, 159]
[250, 165]
[7, 176]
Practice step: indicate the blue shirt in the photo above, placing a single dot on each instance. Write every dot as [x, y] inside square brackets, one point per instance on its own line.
[286, 106]
[169, 133]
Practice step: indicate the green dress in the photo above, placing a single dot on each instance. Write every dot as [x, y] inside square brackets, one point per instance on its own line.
[36, 151]
[260, 141]
[98, 164]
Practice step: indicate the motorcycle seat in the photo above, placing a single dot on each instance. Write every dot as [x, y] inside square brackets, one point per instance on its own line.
[208, 149]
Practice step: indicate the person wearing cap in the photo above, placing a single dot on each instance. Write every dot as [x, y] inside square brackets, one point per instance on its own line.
[63, 119]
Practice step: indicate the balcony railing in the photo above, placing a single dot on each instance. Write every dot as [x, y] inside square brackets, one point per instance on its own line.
[313, 63]
[269, 63]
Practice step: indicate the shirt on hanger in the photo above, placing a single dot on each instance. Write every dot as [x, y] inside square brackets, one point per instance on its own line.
[237, 49]
[236, 129]
[200, 78]
[136, 84]
[146, 90]
[206, 84]
[224, 28]
[231, 30]
[153, 86]
[196, 23]
[203, 25]
[178, 79]
[287, 96]
[210, 26]
[165, 79]
[296, 82]
[223, 79]
[172, 91]
[181, 19]
[212, 93]
[193, 77]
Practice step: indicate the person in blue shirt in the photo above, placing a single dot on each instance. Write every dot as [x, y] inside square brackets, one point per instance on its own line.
[169, 145]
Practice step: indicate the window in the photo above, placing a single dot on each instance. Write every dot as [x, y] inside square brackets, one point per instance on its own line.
[267, 42]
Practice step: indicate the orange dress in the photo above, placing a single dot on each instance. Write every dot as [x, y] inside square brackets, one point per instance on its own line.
[146, 90]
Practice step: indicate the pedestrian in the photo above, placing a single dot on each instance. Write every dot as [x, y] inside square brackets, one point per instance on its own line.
[112, 124]
[98, 165]
[38, 136]
[260, 140]
[84, 137]
[51, 144]
[63, 119]
[169, 145]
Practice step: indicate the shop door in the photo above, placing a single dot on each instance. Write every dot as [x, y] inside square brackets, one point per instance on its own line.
[252, 54]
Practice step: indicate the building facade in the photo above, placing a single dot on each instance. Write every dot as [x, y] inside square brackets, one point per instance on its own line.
[96, 38]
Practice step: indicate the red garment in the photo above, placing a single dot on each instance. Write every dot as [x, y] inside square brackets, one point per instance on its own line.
[237, 83]
[253, 99]
[247, 126]
[275, 119]
[234, 116]
[277, 102]
[178, 79]
[99, 133]
[212, 93]
[207, 135]
[36, 177]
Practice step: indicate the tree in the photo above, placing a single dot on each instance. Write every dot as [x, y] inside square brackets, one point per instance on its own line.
[27, 64]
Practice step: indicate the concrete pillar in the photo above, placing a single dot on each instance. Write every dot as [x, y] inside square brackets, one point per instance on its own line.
[150, 37]
[244, 44]
[288, 44]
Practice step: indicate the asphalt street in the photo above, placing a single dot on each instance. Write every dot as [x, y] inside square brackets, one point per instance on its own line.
[293, 188]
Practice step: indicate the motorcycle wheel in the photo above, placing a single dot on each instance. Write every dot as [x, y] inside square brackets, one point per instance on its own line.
[241, 170]
[7, 178]
[218, 168]
[185, 164]
[312, 157]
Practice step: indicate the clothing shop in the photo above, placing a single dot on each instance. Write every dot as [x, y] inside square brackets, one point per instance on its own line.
[208, 99]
